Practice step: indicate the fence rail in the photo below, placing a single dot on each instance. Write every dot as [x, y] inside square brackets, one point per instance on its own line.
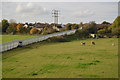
[13, 44]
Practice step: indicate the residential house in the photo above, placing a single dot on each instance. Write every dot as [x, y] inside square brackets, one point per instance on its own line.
[58, 27]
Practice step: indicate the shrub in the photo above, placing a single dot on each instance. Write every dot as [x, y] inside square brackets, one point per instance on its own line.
[53, 31]
[82, 33]
[57, 39]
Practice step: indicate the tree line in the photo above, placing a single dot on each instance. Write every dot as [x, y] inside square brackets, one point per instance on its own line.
[103, 29]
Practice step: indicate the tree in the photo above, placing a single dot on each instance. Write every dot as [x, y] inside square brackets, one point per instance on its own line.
[92, 28]
[116, 31]
[13, 24]
[116, 26]
[101, 31]
[11, 28]
[45, 30]
[75, 26]
[27, 30]
[116, 23]
[34, 30]
[81, 24]
[105, 22]
[0, 27]
[82, 33]
[68, 26]
[12, 21]
[5, 25]
[20, 28]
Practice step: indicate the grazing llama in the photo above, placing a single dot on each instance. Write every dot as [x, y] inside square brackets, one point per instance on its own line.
[93, 43]
[83, 43]
[113, 44]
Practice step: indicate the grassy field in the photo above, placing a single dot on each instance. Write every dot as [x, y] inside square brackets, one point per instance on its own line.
[7, 38]
[63, 60]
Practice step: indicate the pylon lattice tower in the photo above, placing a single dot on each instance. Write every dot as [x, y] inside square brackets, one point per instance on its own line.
[55, 16]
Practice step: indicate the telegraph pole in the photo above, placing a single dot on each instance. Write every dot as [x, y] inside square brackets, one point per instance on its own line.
[55, 16]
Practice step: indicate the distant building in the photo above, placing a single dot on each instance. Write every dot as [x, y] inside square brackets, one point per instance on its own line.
[80, 28]
[58, 27]
[26, 25]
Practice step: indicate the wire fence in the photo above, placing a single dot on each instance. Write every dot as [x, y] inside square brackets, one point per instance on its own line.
[14, 44]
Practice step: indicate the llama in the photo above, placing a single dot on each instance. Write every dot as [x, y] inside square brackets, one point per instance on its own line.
[93, 43]
[83, 43]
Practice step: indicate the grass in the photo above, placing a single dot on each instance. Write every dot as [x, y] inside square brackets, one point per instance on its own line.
[63, 60]
[7, 38]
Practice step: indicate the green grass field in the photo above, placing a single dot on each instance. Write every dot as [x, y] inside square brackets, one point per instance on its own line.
[7, 38]
[63, 60]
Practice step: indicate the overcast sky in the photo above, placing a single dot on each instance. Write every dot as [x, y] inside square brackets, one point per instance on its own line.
[70, 12]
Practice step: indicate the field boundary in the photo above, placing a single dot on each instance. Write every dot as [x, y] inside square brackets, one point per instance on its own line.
[14, 44]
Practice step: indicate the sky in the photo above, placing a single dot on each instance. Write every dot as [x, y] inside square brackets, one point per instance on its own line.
[70, 12]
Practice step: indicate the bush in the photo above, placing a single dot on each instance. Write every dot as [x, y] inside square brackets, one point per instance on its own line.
[82, 33]
[101, 31]
[57, 39]
[45, 31]
[53, 31]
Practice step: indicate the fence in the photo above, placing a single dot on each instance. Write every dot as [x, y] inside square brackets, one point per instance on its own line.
[13, 44]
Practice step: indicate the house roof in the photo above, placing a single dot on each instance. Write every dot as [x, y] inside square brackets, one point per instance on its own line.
[59, 26]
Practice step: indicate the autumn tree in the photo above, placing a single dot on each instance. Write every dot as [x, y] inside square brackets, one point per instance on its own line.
[45, 30]
[34, 30]
[20, 28]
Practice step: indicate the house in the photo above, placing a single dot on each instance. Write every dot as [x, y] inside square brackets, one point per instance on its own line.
[58, 27]
[39, 26]
[80, 28]
[94, 36]
[26, 25]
